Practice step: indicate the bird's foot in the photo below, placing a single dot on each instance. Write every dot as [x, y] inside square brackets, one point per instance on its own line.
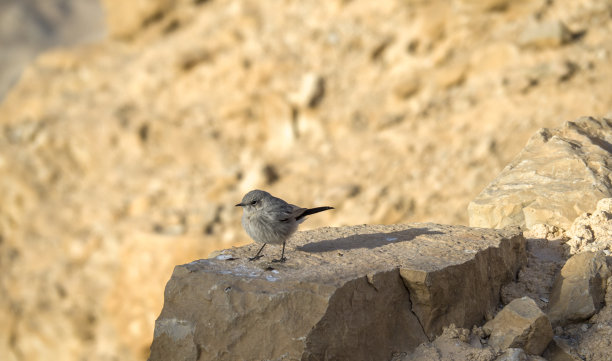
[282, 260]
[255, 258]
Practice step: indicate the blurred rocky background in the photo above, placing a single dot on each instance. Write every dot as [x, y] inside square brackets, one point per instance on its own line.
[124, 157]
[28, 27]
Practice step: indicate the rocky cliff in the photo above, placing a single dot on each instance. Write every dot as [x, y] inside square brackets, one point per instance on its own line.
[122, 159]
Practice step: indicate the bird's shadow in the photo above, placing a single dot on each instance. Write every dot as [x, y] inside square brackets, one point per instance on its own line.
[365, 240]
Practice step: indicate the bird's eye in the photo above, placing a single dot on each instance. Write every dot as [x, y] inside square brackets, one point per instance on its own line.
[253, 202]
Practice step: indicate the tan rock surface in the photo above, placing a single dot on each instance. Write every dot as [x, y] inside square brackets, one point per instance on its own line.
[121, 159]
[592, 231]
[579, 289]
[561, 173]
[520, 324]
[343, 294]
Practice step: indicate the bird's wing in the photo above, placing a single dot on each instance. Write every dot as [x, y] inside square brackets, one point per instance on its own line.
[285, 213]
[297, 212]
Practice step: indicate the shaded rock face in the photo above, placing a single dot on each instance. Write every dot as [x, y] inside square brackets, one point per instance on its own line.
[345, 293]
[559, 350]
[580, 288]
[521, 324]
[560, 174]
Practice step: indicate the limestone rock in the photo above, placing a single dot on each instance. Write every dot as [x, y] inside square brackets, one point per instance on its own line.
[560, 174]
[346, 293]
[579, 289]
[591, 232]
[520, 324]
[543, 35]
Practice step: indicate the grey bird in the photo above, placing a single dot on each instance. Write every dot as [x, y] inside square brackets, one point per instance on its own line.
[267, 219]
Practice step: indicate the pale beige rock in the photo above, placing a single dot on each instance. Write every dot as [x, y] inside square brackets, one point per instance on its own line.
[520, 324]
[591, 232]
[560, 174]
[353, 278]
[543, 35]
[543, 231]
[579, 289]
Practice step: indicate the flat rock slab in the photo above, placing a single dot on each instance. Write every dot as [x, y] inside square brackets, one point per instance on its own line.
[358, 293]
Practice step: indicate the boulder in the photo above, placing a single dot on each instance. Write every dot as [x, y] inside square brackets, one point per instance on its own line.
[359, 293]
[560, 174]
[521, 324]
[579, 289]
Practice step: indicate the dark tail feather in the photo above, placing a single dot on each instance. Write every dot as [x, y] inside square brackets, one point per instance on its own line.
[312, 211]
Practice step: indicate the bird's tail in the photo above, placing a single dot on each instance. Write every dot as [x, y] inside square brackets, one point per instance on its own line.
[312, 211]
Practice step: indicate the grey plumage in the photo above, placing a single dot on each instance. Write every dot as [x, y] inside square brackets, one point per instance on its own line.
[268, 219]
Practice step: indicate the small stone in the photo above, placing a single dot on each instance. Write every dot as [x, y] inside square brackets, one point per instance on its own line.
[543, 35]
[520, 324]
[406, 87]
[311, 91]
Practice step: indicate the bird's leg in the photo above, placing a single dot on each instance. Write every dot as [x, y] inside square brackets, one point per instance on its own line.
[257, 256]
[282, 259]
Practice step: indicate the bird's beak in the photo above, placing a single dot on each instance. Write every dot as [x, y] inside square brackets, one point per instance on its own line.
[239, 205]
